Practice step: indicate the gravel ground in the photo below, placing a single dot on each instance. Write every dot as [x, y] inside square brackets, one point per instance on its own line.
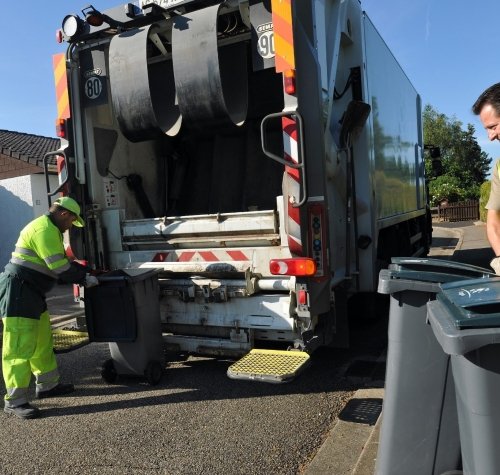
[196, 421]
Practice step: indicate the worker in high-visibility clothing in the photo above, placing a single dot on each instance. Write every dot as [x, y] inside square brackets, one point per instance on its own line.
[37, 263]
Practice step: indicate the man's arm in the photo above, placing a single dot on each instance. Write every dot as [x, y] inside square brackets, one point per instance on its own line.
[493, 218]
[493, 230]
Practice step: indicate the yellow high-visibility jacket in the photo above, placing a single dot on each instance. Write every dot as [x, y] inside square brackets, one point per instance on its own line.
[40, 247]
[37, 263]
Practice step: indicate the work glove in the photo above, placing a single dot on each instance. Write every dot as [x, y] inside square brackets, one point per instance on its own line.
[90, 281]
[495, 265]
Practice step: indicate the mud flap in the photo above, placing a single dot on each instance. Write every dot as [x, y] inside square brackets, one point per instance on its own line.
[271, 366]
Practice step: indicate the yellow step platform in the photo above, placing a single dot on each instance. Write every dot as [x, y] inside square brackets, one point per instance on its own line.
[271, 366]
[65, 340]
[69, 340]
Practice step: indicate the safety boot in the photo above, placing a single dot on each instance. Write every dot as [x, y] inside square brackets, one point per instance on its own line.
[24, 411]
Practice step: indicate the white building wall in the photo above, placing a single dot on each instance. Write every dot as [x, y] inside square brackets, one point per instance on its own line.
[21, 199]
[39, 193]
[16, 211]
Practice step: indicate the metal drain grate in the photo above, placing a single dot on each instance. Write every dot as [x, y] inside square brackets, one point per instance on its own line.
[363, 411]
[68, 340]
[272, 366]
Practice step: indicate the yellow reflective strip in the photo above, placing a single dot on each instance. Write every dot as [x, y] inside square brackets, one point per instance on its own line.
[282, 8]
[25, 252]
[61, 83]
[49, 377]
[56, 257]
[283, 35]
[32, 265]
[285, 58]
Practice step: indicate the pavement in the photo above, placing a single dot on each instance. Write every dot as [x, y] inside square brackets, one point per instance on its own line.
[352, 444]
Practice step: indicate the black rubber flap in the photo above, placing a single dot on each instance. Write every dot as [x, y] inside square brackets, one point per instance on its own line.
[473, 303]
[143, 91]
[211, 81]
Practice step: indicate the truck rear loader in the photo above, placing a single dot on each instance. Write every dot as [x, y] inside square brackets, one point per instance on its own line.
[264, 156]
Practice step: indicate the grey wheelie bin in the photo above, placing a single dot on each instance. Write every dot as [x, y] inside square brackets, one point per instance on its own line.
[466, 321]
[124, 310]
[419, 431]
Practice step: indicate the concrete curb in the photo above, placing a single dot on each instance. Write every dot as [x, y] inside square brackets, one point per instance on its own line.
[351, 446]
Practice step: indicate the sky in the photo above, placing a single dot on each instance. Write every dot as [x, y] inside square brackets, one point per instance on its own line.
[446, 47]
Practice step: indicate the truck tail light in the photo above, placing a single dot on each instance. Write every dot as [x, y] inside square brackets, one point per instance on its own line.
[61, 131]
[300, 266]
[290, 81]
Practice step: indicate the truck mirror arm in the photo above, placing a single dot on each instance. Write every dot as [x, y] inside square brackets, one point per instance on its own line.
[353, 121]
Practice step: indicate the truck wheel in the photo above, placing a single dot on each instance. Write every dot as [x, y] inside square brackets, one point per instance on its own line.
[108, 372]
[153, 372]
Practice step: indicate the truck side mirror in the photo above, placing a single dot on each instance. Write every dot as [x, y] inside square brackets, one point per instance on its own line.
[435, 152]
[437, 167]
[436, 163]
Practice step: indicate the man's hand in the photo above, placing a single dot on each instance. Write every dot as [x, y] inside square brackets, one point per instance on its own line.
[90, 281]
[495, 265]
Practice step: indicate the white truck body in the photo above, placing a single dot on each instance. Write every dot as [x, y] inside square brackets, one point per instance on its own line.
[180, 112]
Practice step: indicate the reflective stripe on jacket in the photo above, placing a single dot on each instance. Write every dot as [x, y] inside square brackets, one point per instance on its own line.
[40, 247]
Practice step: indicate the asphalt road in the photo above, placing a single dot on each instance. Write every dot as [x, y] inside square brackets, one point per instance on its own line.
[196, 421]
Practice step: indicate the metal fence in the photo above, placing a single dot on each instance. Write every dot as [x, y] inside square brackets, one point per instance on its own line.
[459, 211]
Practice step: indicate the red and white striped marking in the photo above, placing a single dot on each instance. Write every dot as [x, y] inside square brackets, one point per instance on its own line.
[293, 185]
[61, 168]
[201, 256]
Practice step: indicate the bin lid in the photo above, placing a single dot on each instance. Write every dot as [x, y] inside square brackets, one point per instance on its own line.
[128, 275]
[407, 273]
[472, 303]
[433, 268]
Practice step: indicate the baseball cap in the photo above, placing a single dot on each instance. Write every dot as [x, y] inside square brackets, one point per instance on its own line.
[71, 205]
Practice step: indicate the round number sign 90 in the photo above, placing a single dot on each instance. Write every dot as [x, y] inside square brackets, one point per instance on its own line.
[93, 87]
[266, 45]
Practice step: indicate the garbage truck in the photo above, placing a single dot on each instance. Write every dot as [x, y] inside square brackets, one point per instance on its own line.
[264, 156]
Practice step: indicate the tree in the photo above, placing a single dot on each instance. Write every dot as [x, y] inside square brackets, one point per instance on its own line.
[445, 187]
[465, 165]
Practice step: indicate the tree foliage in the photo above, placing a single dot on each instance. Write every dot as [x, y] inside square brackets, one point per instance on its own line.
[465, 165]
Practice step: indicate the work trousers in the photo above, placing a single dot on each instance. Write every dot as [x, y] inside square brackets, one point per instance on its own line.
[27, 349]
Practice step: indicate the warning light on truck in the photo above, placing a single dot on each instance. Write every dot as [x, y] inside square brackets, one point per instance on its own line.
[71, 25]
[290, 81]
[303, 266]
[61, 128]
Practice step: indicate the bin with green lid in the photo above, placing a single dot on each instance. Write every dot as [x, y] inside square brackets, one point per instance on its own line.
[465, 319]
[419, 432]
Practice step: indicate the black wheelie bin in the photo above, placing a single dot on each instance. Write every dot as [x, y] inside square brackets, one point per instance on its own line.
[419, 431]
[466, 321]
[124, 310]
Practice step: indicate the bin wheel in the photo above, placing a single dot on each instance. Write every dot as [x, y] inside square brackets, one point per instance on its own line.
[153, 372]
[108, 372]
